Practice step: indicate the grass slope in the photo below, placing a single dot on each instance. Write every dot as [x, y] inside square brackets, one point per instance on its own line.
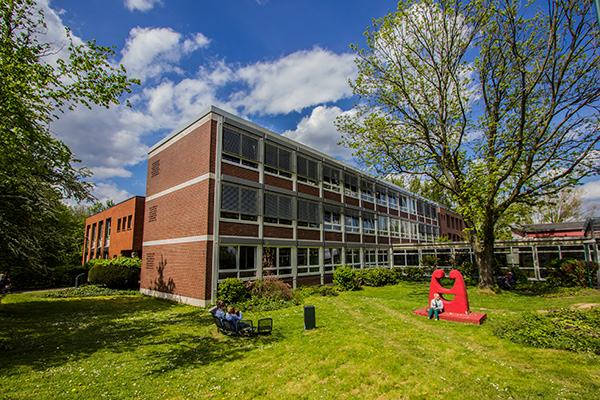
[368, 345]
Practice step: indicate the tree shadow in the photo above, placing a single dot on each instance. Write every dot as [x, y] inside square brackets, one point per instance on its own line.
[48, 334]
[160, 284]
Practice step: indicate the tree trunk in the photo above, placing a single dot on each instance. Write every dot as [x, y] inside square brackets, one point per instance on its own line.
[483, 250]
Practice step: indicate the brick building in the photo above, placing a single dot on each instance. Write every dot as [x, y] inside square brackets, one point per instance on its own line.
[227, 198]
[451, 225]
[115, 231]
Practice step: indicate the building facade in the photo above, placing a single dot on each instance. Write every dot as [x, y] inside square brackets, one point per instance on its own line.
[451, 225]
[117, 231]
[227, 198]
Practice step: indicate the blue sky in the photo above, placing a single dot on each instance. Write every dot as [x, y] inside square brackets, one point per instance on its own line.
[283, 64]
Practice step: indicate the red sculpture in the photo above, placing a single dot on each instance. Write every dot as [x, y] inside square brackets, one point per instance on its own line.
[456, 309]
[460, 303]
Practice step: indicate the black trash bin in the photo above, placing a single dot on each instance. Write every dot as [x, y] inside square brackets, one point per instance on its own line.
[309, 317]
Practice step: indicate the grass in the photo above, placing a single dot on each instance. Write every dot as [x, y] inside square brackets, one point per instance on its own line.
[368, 345]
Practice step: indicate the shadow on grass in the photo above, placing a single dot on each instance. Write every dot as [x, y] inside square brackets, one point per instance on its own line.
[48, 334]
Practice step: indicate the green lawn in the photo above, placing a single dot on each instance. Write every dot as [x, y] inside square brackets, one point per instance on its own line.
[368, 345]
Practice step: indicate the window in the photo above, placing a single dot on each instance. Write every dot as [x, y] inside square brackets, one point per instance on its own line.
[403, 203]
[370, 258]
[331, 219]
[414, 228]
[366, 191]
[405, 229]
[331, 178]
[237, 262]
[332, 258]
[368, 224]
[412, 206]
[239, 203]
[352, 222]
[383, 258]
[350, 185]
[129, 222]
[278, 209]
[307, 170]
[382, 198]
[124, 223]
[118, 225]
[309, 214]
[99, 236]
[240, 149]
[393, 200]
[107, 234]
[395, 227]
[382, 226]
[308, 260]
[277, 261]
[353, 258]
[278, 161]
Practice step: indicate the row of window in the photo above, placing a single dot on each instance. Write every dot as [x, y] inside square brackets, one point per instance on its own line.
[241, 203]
[242, 261]
[243, 149]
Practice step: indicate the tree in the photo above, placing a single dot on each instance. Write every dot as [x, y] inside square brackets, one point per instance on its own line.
[495, 102]
[426, 188]
[36, 169]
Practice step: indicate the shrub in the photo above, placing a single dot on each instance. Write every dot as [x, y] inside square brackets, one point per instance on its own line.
[412, 274]
[270, 288]
[569, 272]
[345, 278]
[232, 290]
[575, 330]
[118, 273]
[378, 276]
[65, 275]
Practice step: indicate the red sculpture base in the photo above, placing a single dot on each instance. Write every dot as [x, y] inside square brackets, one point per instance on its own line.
[470, 318]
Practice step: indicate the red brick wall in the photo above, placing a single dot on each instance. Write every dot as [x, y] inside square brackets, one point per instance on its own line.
[182, 269]
[239, 172]
[127, 240]
[278, 182]
[333, 236]
[233, 229]
[307, 234]
[313, 191]
[278, 232]
[332, 196]
[311, 280]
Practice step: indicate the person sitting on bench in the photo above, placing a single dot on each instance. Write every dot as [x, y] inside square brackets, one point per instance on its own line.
[234, 316]
[219, 310]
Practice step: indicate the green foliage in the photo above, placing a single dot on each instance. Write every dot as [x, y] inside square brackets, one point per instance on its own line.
[118, 273]
[65, 275]
[469, 272]
[574, 330]
[87, 291]
[36, 170]
[345, 277]
[379, 276]
[232, 290]
[569, 272]
[412, 274]
[271, 288]
[440, 97]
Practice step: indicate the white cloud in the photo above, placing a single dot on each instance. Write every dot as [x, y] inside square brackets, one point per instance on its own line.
[141, 5]
[151, 52]
[107, 141]
[294, 82]
[110, 191]
[318, 131]
[591, 191]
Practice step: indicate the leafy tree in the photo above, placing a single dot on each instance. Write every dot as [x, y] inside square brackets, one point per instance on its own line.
[494, 101]
[36, 169]
[423, 187]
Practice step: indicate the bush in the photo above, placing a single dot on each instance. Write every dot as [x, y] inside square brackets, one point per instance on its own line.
[65, 275]
[412, 274]
[271, 288]
[118, 273]
[575, 330]
[232, 290]
[378, 276]
[345, 278]
[569, 272]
